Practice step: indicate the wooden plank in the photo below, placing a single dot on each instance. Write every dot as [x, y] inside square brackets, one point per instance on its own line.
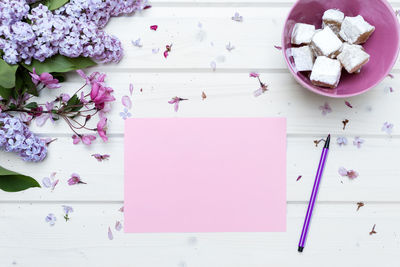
[156, 3]
[231, 95]
[196, 48]
[378, 180]
[339, 236]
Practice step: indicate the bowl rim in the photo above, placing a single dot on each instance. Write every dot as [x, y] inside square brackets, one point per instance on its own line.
[322, 92]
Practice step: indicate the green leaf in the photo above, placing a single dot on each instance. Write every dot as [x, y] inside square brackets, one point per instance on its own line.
[13, 182]
[61, 64]
[31, 105]
[5, 93]
[7, 74]
[54, 4]
[74, 104]
[24, 82]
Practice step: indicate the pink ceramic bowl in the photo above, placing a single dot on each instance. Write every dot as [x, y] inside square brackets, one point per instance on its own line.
[383, 45]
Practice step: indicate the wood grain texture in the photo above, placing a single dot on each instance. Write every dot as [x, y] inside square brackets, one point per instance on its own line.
[378, 180]
[339, 234]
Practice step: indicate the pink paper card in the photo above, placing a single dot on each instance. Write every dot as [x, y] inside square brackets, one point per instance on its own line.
[205, 175]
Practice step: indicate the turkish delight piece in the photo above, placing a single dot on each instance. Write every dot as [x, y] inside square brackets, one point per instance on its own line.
[302, 33]
[303, 58]
[326, 72]
[333, 19]
[326, 43]
[355, 30]
[353, 57]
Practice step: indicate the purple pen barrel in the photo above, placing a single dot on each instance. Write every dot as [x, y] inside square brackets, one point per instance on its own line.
[314, 194]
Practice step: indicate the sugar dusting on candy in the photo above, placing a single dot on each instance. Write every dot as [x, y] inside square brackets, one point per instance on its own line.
[302, 33]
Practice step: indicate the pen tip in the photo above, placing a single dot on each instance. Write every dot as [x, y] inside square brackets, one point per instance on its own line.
[328, 139]
[300, 249]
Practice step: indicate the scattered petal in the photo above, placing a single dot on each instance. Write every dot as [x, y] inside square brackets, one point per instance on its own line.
[359, 205]
[351, 174]
[345, 122]
[131, 89]
[237, 17]
[155, 50]
[121, 209]
[316, 142]
[325, 109]
[299, 177]
[125, 114]
[118, 226]
[51, 219]
[348, 104]
[137, 43]
[387, 128]
[278, 47]
[175, 100]
[203, 95]
[229, 47]
[46, 182]
[342, 171]
[373, 230]
[110, 234]
[126, 102]
[153, 27]
[254, 74]
[341, 140]
[213, 65]
[258, 92]
[100, 157]
[67, 211]
[167, 50]
[75, 179]
[391, 75]
[358, 141]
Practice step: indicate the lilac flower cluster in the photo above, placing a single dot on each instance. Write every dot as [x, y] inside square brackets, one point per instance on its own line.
[73, 30]
[15, 136]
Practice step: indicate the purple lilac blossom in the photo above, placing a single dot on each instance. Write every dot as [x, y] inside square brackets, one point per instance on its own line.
[73, 30]
[15, 136]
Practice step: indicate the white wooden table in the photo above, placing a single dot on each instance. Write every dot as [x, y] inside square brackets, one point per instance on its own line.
[339, 234]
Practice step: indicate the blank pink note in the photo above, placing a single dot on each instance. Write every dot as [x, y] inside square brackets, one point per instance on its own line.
[205, 175]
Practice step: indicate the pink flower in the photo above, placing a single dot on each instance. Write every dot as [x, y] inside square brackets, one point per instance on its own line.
[176, 101]
[351, 173]
[45, 78]
[41, 120]
[167, 50]
[86, 139]
[153, 27]
[76, 139]
[126, 102]
[75, 179]
[100, 94]
[254, 74]
[100, 157]
[101, 129]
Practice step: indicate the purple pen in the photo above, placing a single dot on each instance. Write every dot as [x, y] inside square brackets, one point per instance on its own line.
[314, 193]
